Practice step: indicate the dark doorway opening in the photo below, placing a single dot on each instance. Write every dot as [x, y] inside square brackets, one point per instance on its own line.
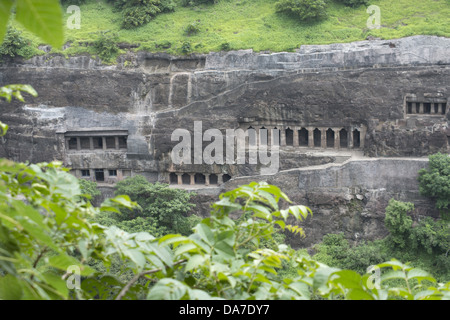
[317, 138]
[99, 175]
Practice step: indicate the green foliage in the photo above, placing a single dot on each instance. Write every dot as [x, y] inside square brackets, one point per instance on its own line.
[14, 44]
[106, 46]
[14, 90]
[191, 3]
[168, 206]
[336, 251]
[41, 17]
[186, 47]
[434, 182]
[42, 238]
[398, 222]
[38, 236]
[192, 28]
[136, 13]
[138, 224]
[303, 9]
[89, 188]
[353, 3]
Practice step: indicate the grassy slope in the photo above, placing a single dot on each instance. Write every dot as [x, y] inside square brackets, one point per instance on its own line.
[254, 24]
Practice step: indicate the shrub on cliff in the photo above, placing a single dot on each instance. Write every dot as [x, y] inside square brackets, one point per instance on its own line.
[305, 10]
[136, 13]
[14, 44]
[106, 46]
[434, 182]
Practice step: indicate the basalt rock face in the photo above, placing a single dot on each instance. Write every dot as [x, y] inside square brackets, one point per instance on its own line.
[333, 105]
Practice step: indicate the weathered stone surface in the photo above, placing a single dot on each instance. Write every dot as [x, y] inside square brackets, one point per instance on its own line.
[363, 85]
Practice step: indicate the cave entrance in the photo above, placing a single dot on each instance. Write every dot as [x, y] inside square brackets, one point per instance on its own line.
[99, 175]
[317, 138]
[356, 139]
[303, 137]
[213, 179]
[289, 137]
[73, 143]
[199, 178]
[186, 178]
[330, 138]
[173, 178]
[343, 138]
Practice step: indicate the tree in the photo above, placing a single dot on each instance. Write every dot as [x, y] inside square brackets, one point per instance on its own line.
[166, 207]
[434, 182]
[398, 222]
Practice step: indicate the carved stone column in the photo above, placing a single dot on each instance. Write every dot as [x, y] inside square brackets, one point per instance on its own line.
[282, 137]
[310, 137]
[323, 138]
[337, 140]
[295, 142]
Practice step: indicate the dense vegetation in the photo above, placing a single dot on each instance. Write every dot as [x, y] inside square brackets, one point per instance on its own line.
[51, 246]
[162, 210]
[243, 24]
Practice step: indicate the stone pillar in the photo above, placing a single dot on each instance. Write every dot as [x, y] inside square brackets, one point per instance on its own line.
[116, 140]
[91, 143]
[414, 110]
[323, 137]
[421, 110]
[104, 143]
[350, 138]
[269, 135]
[206, 179]
[78, 143]
[179, 178]
[310, 137]
[106, 175]
[192, 175]
[296, 143]
[219, 178]
[432, 109]
[337, 140]
[256, 141]
[282, 137]
[362, 135]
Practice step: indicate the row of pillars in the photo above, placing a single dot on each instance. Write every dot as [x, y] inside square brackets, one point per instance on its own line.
[313, 137]
[198, 178]
[426, 108]
[101, 175]
[91, 143]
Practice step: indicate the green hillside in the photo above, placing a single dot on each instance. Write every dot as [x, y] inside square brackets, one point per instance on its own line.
[255, 24]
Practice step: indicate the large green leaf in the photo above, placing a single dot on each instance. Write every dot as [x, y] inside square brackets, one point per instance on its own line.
[10, 288]
[43, 18]
[5, 12]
